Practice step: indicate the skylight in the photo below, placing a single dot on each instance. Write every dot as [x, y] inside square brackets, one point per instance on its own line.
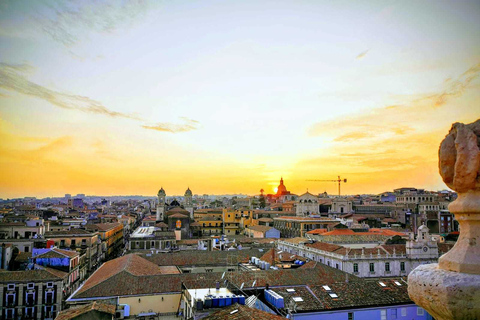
[234, 311]
[397, 283]
[290, 290]
[382, 284]
[327, 288]
[297, 299]
[333, 295]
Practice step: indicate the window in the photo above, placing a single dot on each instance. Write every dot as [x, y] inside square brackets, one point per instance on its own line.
[402, 266]
[355, 267]
[383, 314]
[420, 311]
[372, 267]
[327, 288]
[404, 312]
[30, 286]
[393, 313]
[50, 312]
[30, 312]
[10, 314]
[336, 265]
[11, 286]
[387, 266]
[30, 298]
[10, 299]
[333, 295]
[49, 284]
[49, 297]
[27, 249]
[350, 316]
[297, 299]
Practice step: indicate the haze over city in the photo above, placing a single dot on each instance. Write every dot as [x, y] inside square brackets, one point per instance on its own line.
[227, 97]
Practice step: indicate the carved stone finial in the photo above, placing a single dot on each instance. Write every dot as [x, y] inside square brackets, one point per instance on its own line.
[451, 288]
[459, 157]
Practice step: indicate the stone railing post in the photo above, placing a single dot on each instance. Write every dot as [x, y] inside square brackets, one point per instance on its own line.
[451, 288]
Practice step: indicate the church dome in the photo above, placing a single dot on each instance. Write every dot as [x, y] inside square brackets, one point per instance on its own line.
[188, 192]
[281, 188]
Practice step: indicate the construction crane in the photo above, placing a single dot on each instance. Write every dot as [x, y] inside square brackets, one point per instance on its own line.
[338, 180]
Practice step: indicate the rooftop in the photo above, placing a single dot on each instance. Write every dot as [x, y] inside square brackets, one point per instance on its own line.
[72, 313]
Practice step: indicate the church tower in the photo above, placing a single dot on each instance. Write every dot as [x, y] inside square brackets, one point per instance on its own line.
[189, 202]
[161, 204]
[424, 247]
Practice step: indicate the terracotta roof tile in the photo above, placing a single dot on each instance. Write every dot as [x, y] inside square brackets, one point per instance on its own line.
[72, 313]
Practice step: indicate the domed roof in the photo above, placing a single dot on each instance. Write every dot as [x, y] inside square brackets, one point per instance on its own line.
[281, 188]
[176, 210]
[161, 192]
[188, 192]
[423, 228]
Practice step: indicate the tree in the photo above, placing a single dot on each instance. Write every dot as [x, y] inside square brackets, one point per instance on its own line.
[262, 201]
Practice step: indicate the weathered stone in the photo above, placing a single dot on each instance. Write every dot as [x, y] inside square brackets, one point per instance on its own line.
[451, 288]
[459, 157]
[445, 294]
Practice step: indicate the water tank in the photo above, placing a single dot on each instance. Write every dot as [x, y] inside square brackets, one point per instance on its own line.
[215, 301]
[221, 301]
[267, 265]
[199, 304]
[241, 299]
[228, 301]
[262, 265]
[234, 299]
[208, 302]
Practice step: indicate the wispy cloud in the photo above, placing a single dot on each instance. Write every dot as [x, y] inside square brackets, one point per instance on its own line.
[362, 54]
[14, 78]
[187, 125]
[456, 87]
[71, 22]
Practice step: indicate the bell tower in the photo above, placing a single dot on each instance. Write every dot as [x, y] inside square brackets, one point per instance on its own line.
[189, 202]
[160, 204]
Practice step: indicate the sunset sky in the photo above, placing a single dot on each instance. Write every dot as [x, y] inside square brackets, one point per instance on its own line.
[121, 98]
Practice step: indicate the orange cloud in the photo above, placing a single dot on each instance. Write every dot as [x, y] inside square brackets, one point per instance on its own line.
[188, 125]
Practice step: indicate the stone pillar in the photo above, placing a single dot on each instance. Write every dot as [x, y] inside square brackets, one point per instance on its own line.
[451, 288]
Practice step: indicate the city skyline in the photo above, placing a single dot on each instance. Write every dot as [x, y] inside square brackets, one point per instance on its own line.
[108, 98]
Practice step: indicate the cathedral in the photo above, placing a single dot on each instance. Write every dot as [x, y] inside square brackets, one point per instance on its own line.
[173, 214]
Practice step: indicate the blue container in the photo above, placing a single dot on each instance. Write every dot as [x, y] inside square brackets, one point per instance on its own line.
[234, 299]
[215, 301]
[228, 301]
[221, 301]
[241, 299]
[280, 303]
[208, 302]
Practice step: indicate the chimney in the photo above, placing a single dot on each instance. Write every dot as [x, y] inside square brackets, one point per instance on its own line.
[217, 285]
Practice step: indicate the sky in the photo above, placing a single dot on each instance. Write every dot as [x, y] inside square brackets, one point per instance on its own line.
[125, 97]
